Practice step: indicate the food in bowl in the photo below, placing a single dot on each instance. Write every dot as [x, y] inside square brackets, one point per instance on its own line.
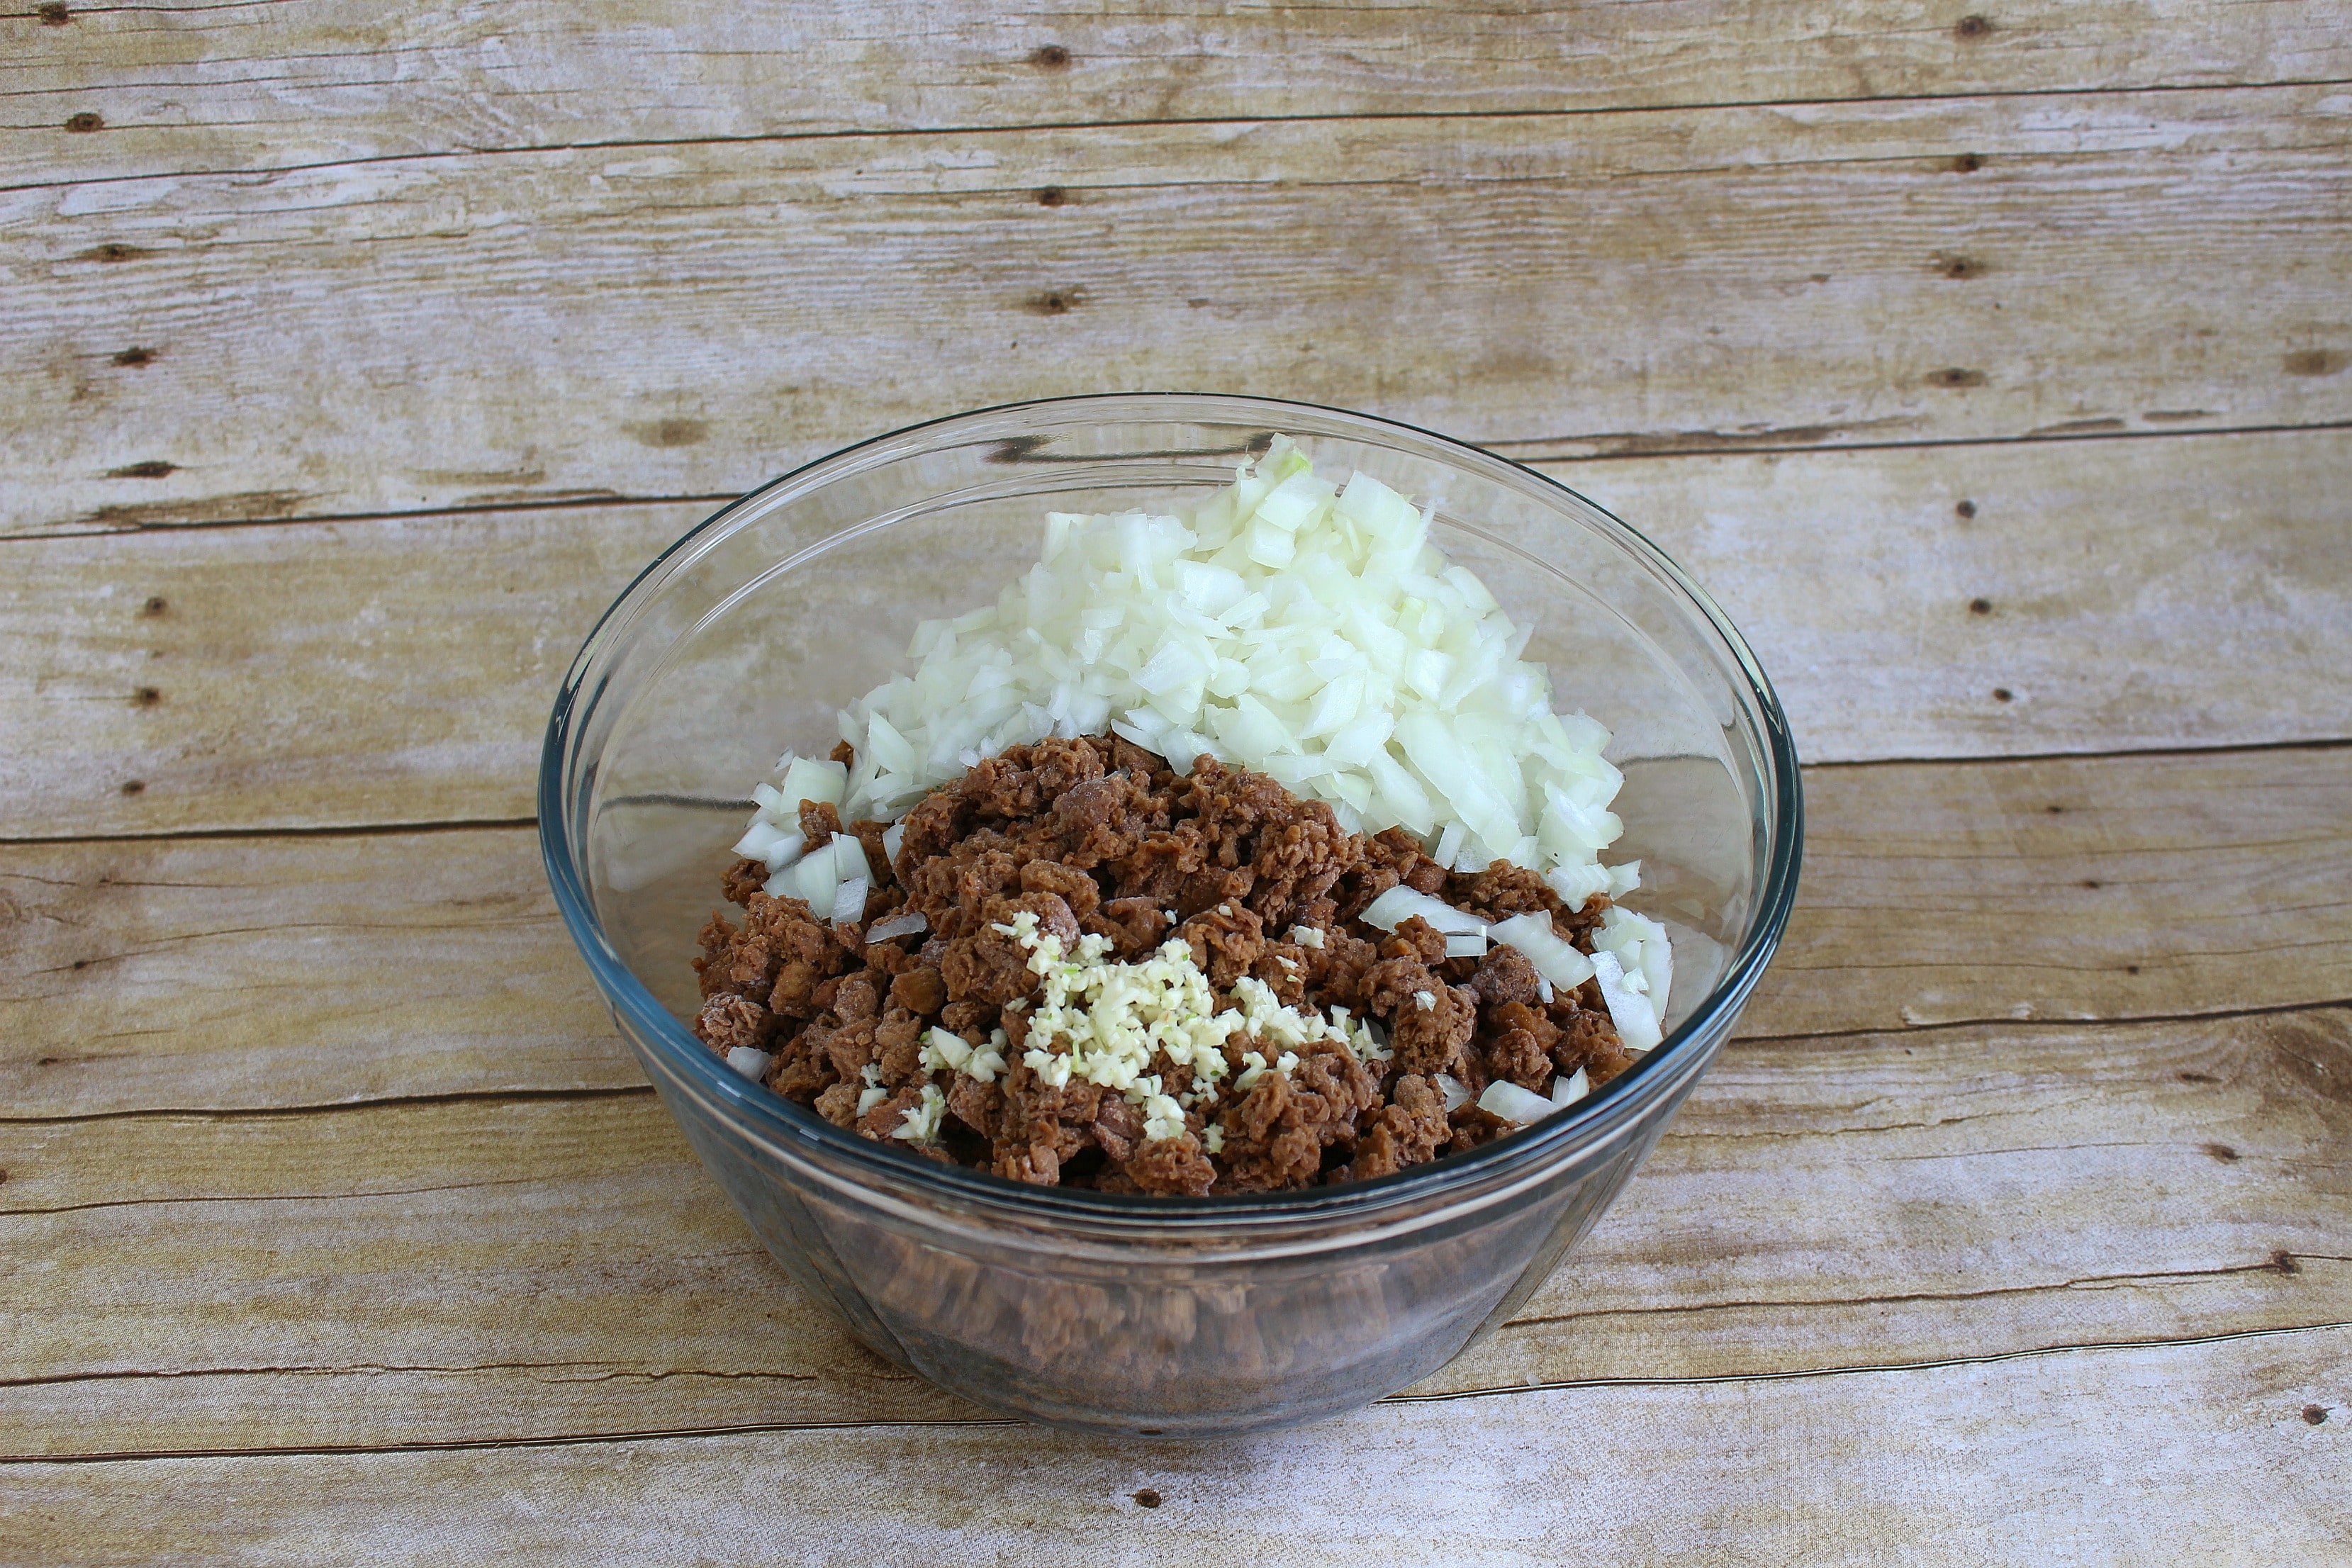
[1223, 854]
[1108, 1311]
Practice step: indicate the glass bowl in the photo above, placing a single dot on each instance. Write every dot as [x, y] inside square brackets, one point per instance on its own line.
[1117, 1313]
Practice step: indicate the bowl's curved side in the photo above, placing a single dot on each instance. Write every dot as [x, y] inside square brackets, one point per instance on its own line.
[1098, 1311]
[1149, 1341]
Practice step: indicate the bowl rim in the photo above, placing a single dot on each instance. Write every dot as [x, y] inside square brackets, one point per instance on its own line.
[754, 1109]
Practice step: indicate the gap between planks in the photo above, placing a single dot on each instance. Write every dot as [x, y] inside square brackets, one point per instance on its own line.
[1702, 444]
[1178, 122]
[495, 823]
[633, 1092]
[566, 1440]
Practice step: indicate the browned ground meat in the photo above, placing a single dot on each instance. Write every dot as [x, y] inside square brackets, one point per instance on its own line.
[1099, 836]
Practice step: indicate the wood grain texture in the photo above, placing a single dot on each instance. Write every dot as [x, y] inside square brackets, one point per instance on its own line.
[250, 87]
[2088, 1458]
[2012, 1227]
[386, 672]
[400, 671]
[414, 334]
[506, 1272]
[252, 973]
[240, 973]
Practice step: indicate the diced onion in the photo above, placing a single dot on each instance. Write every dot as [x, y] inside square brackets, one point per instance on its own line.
[1568, 1090]
[1471, 944]
[807, 779]
[1287, 625]
[814, 878]
[909, 923]
[750, 1061]
[777, 847]
[1509, 1100]
[893, 838]
[1554, 959]
[1400, 903]
[849, 859]
[1576, 884]
[849, 902]
[1456, 1094]
[1636, 1020]
[1643, 948]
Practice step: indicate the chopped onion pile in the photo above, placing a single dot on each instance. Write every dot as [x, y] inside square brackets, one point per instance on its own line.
[1305, 631]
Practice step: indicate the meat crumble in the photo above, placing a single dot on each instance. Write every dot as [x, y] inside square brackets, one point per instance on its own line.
[1096, 847]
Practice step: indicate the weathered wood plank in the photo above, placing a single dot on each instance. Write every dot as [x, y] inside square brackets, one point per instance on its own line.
[264, 87]
[2194, 1453]
[472, 1271]
[412, 333]
[348, 673]
[2107, 888]
[400, 671]
[248, 974]
[234, 975]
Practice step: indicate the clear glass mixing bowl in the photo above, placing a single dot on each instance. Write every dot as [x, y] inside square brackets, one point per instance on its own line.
[1138, 1315]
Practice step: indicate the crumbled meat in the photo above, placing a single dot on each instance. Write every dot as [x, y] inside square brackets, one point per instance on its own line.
[1225, 940]
[819, 823]
[1408, 1131]
[849, 1046]
[729, 1023]
[1133, 926]
[1588, 1039]
[1515, 1055]
[1472, 1126]
[838, 1104]
[979, 1106]
[1073, 887]
[1502, 891]
[1504, 976]
[990, 965]
[1416, 938]
[968, 1017]
[899, 1042]
[742, 879]
[885, 1117]
[920, 990]
[1276, 1135]
[856, 998]
[877, 856]
[1173, 1167]
[1098, 836]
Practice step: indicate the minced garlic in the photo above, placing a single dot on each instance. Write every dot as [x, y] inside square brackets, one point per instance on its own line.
[920, 1124]
[872, 1094]
[1103, 1020]
[946, 1051]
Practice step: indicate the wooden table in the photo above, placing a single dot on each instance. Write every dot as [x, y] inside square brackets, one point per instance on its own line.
[1991, 368]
